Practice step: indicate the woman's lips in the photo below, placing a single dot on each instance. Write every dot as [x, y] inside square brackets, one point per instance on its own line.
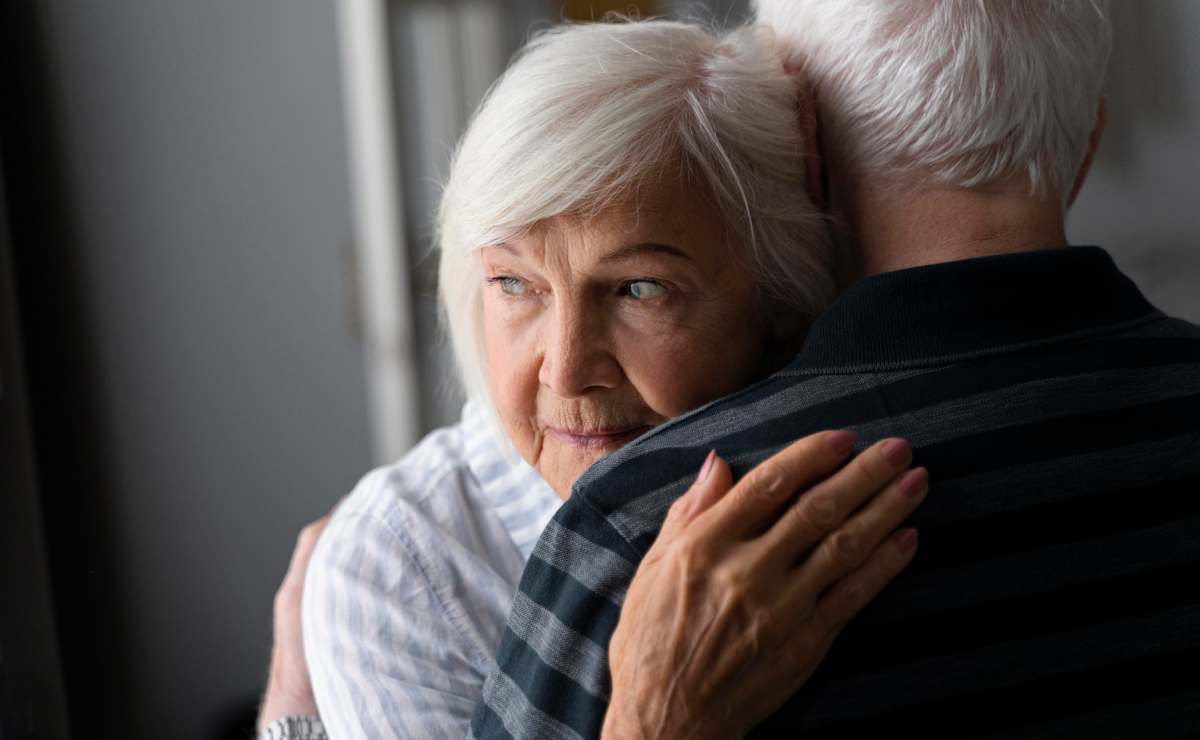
[598, 440]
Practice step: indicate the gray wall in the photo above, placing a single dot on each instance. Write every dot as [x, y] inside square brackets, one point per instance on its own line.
[203, 154]
[1141, 200]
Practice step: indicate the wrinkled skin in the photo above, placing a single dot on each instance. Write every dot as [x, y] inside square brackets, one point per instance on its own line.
[598, 329]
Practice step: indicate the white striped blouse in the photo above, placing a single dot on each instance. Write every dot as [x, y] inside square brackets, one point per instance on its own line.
[409, 587]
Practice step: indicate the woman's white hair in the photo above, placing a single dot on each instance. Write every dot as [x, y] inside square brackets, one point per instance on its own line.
[964, 93]
[586, 114]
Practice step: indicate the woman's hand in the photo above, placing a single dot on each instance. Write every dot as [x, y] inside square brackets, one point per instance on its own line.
[746, 587]
[289, 690]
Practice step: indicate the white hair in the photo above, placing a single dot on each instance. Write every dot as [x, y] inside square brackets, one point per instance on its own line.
[963, 93]
[588, 113]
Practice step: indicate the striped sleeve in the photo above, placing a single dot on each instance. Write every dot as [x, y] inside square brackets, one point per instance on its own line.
[552, 678]
[383, 660]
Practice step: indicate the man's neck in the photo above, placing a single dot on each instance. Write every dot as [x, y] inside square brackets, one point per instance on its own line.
[897, 230]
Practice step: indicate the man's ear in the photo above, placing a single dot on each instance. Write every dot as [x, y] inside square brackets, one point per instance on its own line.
[810, 137]
[1093, 146]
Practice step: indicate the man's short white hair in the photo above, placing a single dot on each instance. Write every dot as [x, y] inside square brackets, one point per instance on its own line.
[962, 93]
[587, 114]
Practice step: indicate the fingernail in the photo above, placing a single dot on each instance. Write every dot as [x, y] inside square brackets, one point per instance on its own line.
[907, 539]
[841, 442]
[897, 451]
[915, 483]
[706, 468]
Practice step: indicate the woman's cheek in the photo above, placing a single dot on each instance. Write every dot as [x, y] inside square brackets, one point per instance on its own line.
[664, 367]
[507, 320]
[512, 366]
[697, 362]
[512, 377]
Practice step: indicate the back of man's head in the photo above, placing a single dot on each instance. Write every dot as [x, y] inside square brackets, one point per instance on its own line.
[959, 93]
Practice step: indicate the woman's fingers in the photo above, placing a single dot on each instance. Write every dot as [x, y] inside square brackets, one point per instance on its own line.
[729, 600]
[823, 508]
[847, 597]
[846, 549]
[712, 482]
[757, 499]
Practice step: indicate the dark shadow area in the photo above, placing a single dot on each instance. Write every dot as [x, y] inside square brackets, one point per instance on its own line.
[69, 449]
[236, 722]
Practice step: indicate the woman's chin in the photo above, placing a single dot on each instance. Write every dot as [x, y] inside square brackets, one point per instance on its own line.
[566, 455]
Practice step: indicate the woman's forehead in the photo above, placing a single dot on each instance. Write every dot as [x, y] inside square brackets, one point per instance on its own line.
[667, 219]
[598, 246]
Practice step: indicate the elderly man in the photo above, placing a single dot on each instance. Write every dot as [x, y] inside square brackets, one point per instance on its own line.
[1054, 407]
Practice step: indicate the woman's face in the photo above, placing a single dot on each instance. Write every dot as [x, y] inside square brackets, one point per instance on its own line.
[597, 331]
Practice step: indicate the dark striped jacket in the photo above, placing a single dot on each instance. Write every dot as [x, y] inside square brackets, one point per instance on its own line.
[1056, 589]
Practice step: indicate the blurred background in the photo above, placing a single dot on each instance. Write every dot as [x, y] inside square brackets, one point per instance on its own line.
[217, 312]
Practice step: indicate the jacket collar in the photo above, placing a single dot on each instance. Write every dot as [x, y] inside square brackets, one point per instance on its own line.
[953, 311]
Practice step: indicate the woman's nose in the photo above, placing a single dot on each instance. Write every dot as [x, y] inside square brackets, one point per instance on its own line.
[576, 356]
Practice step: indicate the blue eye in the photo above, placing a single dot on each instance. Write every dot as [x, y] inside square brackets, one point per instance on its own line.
[510, 285]
[643, 290]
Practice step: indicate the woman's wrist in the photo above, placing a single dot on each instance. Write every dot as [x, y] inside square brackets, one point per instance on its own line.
[288, 693]
[621, 721]
[293, 728]
[641, 717]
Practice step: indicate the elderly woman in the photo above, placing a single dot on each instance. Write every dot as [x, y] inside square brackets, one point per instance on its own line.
[625, 235]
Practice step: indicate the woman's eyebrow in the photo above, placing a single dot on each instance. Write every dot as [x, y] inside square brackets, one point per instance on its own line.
[503, 247]
[636, 250]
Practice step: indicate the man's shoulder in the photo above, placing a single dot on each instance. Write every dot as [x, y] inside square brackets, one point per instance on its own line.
[633, 488]
[665, 454]
[1169, 327]
[1154, 346]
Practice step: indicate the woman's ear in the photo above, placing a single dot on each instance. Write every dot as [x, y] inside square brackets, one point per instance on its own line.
[810, 139]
